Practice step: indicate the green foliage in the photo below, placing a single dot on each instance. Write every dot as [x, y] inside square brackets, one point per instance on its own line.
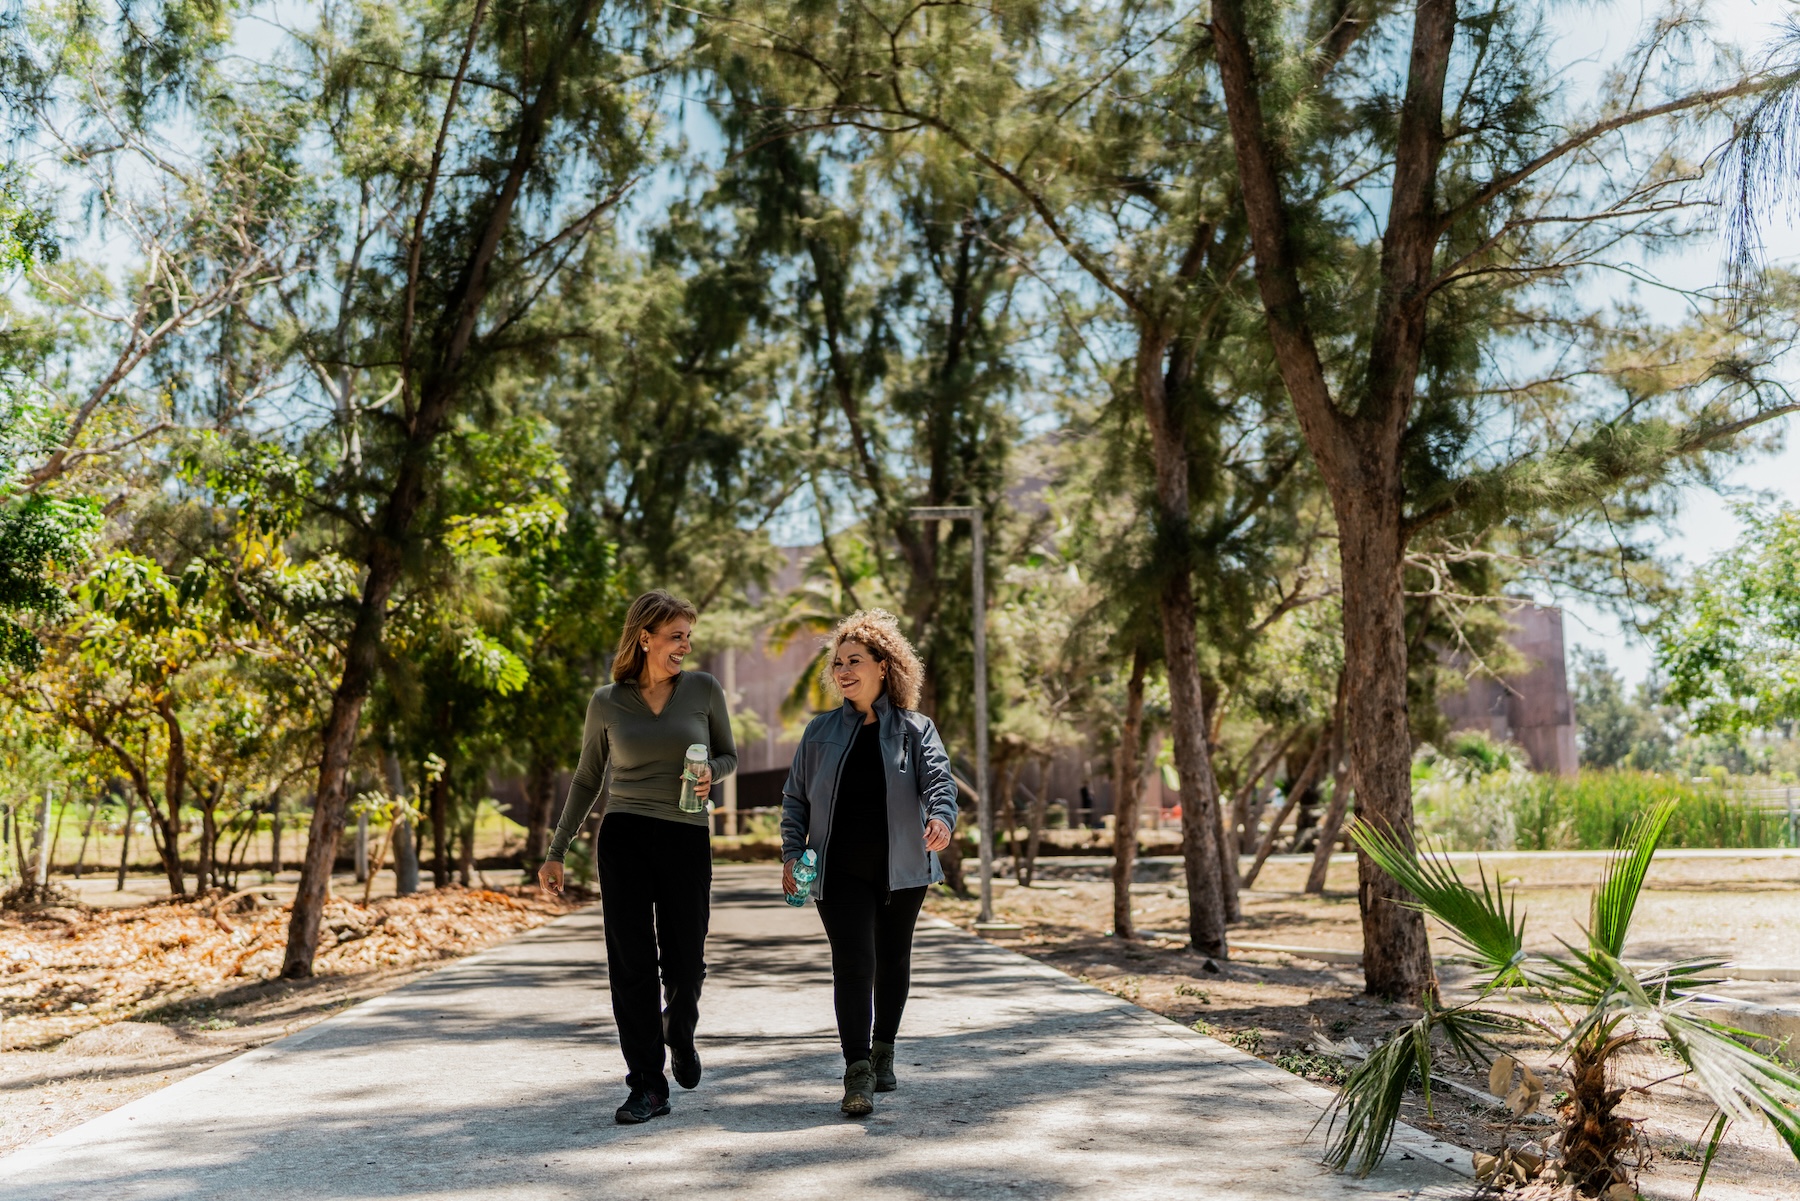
[1591, 811]
[1730, 646]
[1484, 923]
[1624, 879]
[1616, 731]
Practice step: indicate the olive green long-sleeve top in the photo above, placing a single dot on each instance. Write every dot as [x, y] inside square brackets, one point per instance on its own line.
[644, 750]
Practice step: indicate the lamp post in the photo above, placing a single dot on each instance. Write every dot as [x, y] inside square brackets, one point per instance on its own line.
[984, 810]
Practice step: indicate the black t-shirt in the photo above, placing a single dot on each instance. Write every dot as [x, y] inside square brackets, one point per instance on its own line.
[859, 824]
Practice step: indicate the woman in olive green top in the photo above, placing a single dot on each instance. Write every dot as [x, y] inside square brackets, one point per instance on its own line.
[654, 861]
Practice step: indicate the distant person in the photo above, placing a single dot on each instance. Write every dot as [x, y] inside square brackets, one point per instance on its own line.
[870, 791]
[654, 860]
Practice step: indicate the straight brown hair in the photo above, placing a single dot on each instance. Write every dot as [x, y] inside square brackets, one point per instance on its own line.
[648, 612]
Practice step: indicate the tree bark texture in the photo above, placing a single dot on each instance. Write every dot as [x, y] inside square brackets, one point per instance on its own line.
[405, 846]
[1125, 796]
[124, 845]
[440, 392]
[540, 803]
[440, 831]
[1181, 655]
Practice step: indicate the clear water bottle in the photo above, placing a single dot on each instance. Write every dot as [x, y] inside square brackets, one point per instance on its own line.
[692, 764]
[806, 870]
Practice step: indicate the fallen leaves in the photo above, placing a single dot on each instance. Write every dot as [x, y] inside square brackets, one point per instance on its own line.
[1521, 1098]
[65, 971]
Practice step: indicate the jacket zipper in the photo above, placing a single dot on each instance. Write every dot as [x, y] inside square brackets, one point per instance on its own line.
[836, 784]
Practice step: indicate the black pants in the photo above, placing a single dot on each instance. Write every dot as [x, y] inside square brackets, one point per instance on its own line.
[655, 884]
[871, 933]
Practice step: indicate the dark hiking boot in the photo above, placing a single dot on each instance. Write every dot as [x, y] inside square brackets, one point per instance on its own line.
[639, 1107]
[881, 1057]
[684, 1060]
[684, 1065]
[859, 1090]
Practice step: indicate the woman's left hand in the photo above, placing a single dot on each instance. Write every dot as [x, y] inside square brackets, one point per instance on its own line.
[703, 784]
[937, 835]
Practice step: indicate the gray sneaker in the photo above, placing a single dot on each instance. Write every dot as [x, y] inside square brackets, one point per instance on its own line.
[881, 1056]
[859, 1090]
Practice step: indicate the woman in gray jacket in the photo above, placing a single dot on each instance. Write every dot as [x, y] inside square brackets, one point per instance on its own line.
[870, 791]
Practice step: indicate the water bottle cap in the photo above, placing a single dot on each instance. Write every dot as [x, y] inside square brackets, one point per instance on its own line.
[697, 751]
[810, 857]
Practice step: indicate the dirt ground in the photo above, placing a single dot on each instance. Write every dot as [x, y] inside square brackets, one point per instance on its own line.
[98, 1007]
[1273, 1005]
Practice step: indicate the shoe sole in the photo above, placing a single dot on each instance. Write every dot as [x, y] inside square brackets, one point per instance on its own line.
[858, 1107]
[678, 1070]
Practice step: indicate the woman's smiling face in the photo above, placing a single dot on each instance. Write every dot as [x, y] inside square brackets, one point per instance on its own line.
[667, 646]
[859, 675]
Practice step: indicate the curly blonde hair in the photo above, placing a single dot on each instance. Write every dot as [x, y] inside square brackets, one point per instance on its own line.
[879, 630]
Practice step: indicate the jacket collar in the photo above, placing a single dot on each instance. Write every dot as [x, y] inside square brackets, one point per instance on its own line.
[885, 714]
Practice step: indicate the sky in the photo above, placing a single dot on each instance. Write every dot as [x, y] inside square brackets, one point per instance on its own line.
[1705, 522]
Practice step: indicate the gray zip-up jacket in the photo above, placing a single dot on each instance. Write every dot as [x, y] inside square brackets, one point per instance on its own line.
[919, 788]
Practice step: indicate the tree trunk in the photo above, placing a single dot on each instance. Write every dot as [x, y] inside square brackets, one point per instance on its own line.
[1187, 702]
[950, 859]
[206, 868]
[40, 845]
[465, 855]
[1331, 823]
[540, 802]
[1315, 764]
[1396, 953]
[87, 832]
[1126, 775]
[440, 831]
[175, 775]
[1359, 447]
[125, 844]
[275, 840]
[405, 845]
[440, 391]
[1035, 825]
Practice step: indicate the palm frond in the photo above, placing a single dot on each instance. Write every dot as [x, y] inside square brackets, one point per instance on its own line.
[808, 692]
[1740, 1081]
[1485, 924]
[1719, 1126]
[1369, 1103]
[1624, 880]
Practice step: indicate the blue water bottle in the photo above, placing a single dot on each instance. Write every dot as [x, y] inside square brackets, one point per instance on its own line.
[806, 870]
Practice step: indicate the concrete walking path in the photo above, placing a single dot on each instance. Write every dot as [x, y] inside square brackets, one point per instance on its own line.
[496, 1078]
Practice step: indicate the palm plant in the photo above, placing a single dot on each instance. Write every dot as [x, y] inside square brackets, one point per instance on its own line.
[824, 597]
[1585, 998]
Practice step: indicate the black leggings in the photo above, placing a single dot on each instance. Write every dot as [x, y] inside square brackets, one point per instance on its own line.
[871, 958]
[655, 884]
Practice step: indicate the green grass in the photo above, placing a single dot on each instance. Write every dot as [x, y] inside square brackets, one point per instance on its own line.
[1589, 812]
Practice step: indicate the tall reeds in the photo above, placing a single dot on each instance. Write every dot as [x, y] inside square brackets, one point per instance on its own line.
[1589, 812]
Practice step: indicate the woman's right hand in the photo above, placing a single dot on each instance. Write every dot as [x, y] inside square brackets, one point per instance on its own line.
[787, 879]
[550, 877]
